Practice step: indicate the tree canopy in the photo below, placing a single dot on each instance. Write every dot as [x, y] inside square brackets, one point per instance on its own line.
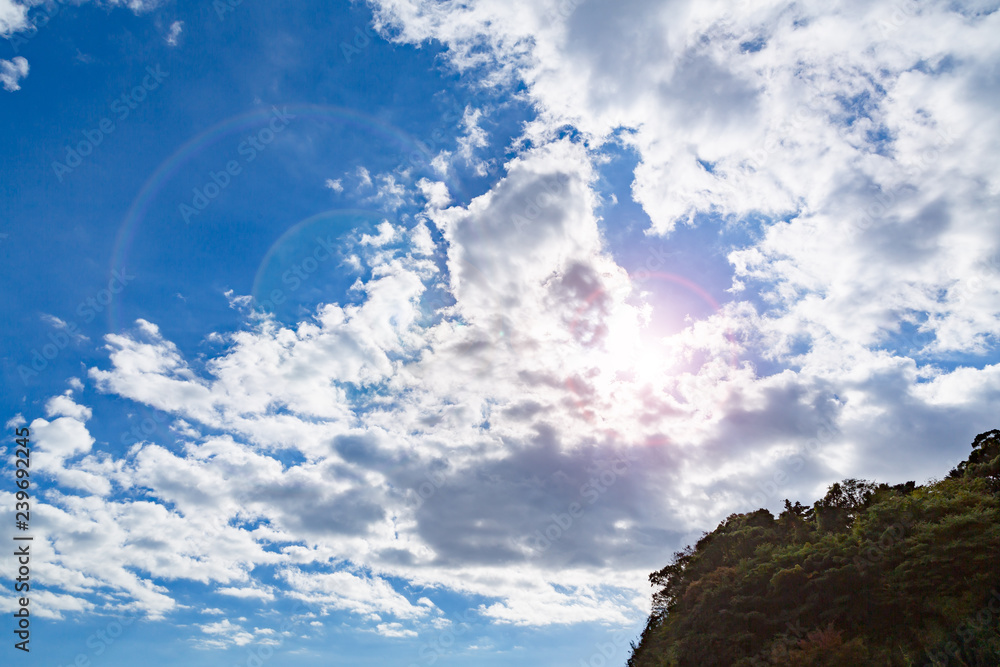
[870, 574]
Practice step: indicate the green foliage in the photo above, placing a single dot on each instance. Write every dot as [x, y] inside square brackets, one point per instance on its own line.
[871, 574]
[983, 462]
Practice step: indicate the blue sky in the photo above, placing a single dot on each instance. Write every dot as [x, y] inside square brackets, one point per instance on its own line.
[407, 333]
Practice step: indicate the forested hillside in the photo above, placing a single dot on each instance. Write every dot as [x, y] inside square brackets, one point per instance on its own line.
[871, 574]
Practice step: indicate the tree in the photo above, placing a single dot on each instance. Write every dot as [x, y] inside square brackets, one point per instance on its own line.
[870, 574]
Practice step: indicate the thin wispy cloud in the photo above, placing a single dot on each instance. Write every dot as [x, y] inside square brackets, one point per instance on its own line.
[174, 34]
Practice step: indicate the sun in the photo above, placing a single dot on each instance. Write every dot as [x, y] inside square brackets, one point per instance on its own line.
[647, 337]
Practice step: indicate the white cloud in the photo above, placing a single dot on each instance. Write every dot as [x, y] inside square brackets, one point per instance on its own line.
[173, 36]
[363, 176]
[335, 185]
[60, 324]
[443, 426]
[528, 252]
[443, 451]
[441, 163]
[421, 240]
[66, 437]
[367, 596]
[223, 634]
[435, 192]
[137, 6]
[264, 594]
[473, 137]
[14, 13]
[394, 630]
[439, 451]
[386, 234]
[64, 406]
[13, 17]
[12, 71]
[390, 194]
[49, 605]
[867, 126]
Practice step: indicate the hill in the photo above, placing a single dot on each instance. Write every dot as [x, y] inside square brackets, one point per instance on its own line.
[871, 574]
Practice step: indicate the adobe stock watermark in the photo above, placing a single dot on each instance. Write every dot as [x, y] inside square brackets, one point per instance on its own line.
[770, 489]
[882, 203]
[293, 278]
[902, 13]
[223, 7]
[986, 619]
[361, 40]
[40, 19]
[985, 278]
[424, 155]
[552, 187]
[656, 261]
[259, 655]
[804, 114]
[426, 490]
[562, 11]
[102, 640]
[604, 652]
[890, 537]
[430, 652]
[141, 431]
[790, 639]
[801, 117]
[88, 310]
[249, 149]
[122, 108]
[590, 491]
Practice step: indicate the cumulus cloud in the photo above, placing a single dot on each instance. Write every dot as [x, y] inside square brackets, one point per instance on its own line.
[13, 17]
[443, 451]
[868, 150]
[534, 422]
[66, 437]
[498, 415]
[435, 192]
[862, 126]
